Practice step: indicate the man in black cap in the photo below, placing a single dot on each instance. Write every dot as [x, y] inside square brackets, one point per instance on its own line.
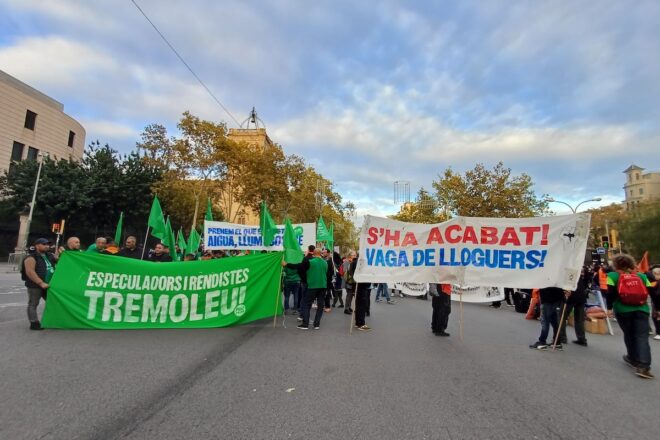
[37, 270]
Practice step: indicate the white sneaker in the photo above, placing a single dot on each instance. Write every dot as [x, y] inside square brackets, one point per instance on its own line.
[657, 337]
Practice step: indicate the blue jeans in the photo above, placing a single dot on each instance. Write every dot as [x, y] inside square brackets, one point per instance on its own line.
[301, 297]
[635, 327]
[382, 287]
[549, 316]
[291, 288]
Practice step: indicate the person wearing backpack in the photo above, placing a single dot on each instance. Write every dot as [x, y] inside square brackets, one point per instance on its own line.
[37, 270]
[627, 297]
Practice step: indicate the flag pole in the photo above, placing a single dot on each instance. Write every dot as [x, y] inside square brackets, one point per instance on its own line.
[460, 317]
[278, 296]
[353, 298]
[561, 322]
[144, 246]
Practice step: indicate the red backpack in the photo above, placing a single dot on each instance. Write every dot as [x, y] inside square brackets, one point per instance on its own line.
[632, 290]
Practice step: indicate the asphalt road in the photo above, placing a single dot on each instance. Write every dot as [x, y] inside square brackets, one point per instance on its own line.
[398, 381]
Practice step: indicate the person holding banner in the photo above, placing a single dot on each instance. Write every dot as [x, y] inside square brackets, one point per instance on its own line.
[441, 303]
[552, 299]
[37, 270]
[317, 283]
[159, 255]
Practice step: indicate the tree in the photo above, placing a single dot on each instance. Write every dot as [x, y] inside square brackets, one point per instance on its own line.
[88, 194]
[191, 164]
[425, 209]
[488, 193]
[639, 231]
[605, 219]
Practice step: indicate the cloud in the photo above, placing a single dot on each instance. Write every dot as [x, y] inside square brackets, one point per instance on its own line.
[369, 94]
[53, 61]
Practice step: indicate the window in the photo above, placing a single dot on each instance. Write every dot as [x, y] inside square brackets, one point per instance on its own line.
[30, 120]
[641, 191]
[636, 176]
[72, 136]
[631, 193]
[17, 152]
[32, 153]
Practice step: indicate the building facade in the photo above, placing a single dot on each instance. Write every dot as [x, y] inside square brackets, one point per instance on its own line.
[640, 187]
[32, 123]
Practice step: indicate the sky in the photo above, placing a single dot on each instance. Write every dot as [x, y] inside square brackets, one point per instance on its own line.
[369, 93]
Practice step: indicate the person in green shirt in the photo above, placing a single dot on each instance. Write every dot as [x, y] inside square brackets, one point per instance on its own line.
[633, 319]
[317, 283]
[98, 246]
[291, 289]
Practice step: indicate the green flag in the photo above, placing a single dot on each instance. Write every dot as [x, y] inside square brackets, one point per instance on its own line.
[267, 225]
[181, 242]
[322, 232]
[148, 295]
[209, 211]
[292, 251]
[193, 242]
[169, 239]
[331, 240]
[118, 231]
[156, 221]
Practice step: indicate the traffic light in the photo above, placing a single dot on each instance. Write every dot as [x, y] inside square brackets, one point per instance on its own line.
[606, 241]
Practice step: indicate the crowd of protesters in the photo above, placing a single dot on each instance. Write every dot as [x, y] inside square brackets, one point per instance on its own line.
[320, 279]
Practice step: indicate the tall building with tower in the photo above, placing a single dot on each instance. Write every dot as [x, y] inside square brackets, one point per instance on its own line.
[640, 187]
[252, 132]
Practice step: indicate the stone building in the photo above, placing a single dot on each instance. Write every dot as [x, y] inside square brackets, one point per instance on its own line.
[253, 133]
[640, 187]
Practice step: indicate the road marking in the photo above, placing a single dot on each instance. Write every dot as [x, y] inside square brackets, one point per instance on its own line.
[22, 304]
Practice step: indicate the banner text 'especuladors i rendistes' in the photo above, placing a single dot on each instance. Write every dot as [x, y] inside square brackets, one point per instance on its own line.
[109, 292]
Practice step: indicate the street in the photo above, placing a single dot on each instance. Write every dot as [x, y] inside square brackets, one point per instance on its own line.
[398, 381]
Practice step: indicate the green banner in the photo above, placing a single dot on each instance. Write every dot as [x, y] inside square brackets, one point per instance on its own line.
[95, 291]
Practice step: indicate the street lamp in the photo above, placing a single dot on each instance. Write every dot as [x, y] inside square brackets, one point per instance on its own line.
[551, 200]
[34, 198]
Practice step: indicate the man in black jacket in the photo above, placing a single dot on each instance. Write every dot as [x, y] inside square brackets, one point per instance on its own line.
[130, 249]
[38, 268]
[552, 299]
[575, 302]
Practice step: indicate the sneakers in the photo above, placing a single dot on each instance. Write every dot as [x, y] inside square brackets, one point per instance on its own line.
[316, 327]
[644, 373]
[378, 300]
[558, 347]
[657, 337]
[629, 361]
[299, 319]
[303, 327]
[539, 345]
[579, 342]
[341, 306]
[36, 325]
[347, 312]
[364, 328]
[442, 333]
[389, 301]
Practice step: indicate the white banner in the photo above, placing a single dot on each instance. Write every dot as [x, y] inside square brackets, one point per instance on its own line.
[475, 251]
[222, 235]
[477, 294]
[412, 289]
[469, 294]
